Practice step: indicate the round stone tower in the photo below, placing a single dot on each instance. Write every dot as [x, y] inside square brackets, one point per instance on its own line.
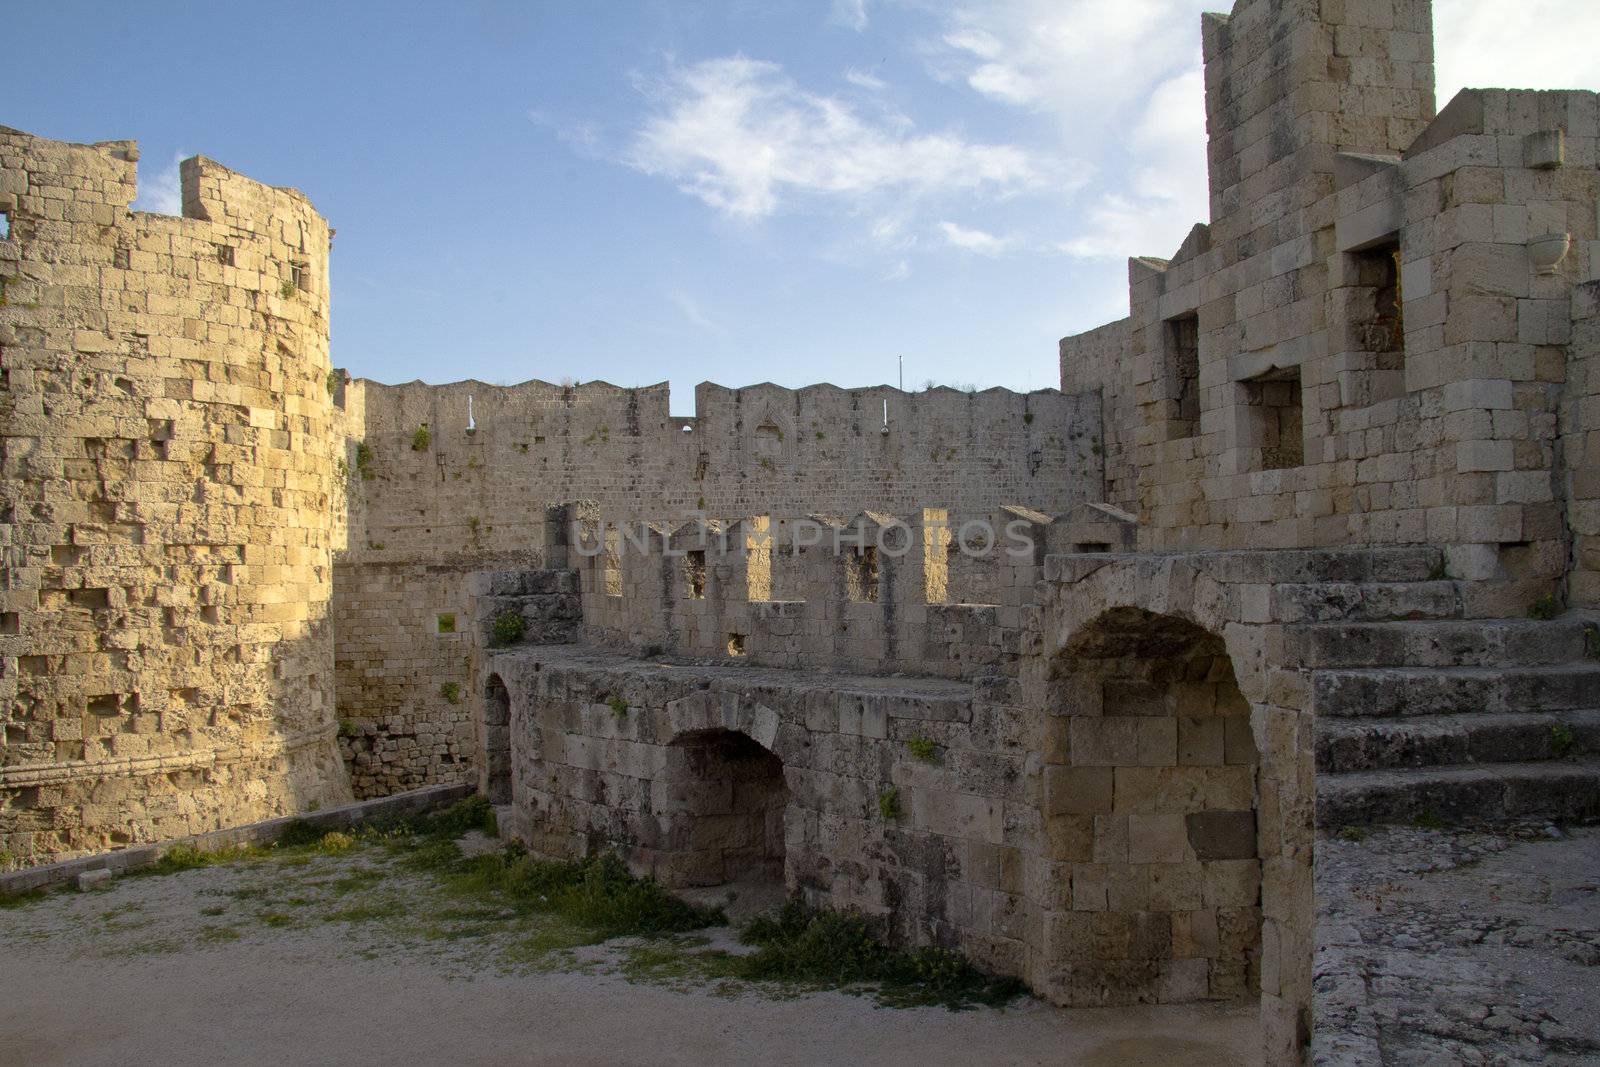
[172, 454]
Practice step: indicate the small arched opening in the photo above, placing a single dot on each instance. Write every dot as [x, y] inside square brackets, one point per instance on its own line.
[725, 807]
[496, 741]
[1150, 818]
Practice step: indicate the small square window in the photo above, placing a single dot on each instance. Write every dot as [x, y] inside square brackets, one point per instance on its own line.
[300, 276]
[224, 254]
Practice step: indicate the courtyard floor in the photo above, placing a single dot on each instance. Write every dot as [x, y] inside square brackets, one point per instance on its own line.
[296, 956]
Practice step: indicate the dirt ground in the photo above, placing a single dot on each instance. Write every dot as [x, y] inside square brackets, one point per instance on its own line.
[351, 959]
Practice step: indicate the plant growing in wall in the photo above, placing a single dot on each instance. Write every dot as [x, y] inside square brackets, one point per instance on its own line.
[364, 461]
[889, 803]
[334, 378]
[1544, 608]
[348, 728]
[451, 691]
[421, 439]
[287, 289]
[618, 706]
[509, 628]
[923, 749]
[1562, 739]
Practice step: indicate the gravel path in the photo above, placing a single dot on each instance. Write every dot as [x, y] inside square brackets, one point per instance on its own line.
[352, 959]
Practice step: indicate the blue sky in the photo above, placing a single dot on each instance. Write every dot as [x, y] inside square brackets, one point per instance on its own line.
[734, 192]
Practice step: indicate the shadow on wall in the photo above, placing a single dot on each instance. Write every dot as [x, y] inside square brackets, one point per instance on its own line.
[1151, 815]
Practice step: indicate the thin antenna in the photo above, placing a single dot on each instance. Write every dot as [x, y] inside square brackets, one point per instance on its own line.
[902, 360]
[885, 416]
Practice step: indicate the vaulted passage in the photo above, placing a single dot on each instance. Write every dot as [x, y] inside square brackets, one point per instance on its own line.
[1150, 818]
[727, 817]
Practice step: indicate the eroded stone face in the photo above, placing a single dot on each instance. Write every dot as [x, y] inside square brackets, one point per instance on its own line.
[171, 503]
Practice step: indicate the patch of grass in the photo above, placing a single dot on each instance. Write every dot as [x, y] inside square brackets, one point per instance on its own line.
[355, 882]
[23, 899]
[287, 289]
[333, 843]
[451, 691]
[214, 910]
[369, 911]
[1429, 820]
[618, 706]
[835, 948]
[923, 749]
[274, 918]
[1591, 641]
[298, 832]
[421, 438]
[1544, 608]
[188, 858]
[889, 803]
[348, 728]
[509, 627]
[1353, 834]
[216, 935]
[1439, 572]
[335, 379]
[1562, 739]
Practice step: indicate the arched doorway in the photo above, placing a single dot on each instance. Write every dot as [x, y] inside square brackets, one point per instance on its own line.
[725, 807]
[1150, 818]
[496, 773]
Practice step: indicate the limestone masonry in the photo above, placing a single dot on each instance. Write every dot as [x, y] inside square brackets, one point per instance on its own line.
[1311, 539]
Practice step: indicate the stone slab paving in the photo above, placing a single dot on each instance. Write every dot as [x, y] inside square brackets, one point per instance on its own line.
[1459, 946]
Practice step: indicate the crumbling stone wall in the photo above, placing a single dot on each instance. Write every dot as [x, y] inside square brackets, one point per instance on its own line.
[166, 504]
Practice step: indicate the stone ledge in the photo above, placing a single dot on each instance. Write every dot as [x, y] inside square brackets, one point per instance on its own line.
[258, 833]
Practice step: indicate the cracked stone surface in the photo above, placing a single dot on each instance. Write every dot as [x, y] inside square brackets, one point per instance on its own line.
[1473, 946]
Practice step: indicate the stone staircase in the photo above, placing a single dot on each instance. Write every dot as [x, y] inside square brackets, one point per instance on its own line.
[1421, 713]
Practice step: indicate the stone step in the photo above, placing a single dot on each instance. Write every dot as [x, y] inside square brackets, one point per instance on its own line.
[1390, 691]
[1553, 788]
[1345, 745]
[1455, 643]
[1365, 601]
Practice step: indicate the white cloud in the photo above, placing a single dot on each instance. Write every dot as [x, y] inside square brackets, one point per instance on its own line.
[162, 192]
[1530, 44]
[691, 310]
[970, 240]
[849, 13]
[1164, 193]
[1088, 62]
[742, 136]
[863, 80]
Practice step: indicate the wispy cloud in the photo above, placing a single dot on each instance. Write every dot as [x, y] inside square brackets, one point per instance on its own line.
[743, 137]
[970, 240]
[691, 310]
[162, 192]
[851, 14]
[863, 80]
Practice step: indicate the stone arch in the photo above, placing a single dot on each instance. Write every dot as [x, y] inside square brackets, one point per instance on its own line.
[724, 801]
[1150, 816]
[496, 773]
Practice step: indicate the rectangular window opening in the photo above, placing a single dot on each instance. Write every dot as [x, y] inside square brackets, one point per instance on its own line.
[611, 562]
[1276, 419]
[1182, 376]
[5, 225]
[224, 254]
[694, 574]
[862, 579]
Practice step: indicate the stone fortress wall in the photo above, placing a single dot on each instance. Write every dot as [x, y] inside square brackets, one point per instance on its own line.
[168, 495]
[458, 478]
[1291, 516]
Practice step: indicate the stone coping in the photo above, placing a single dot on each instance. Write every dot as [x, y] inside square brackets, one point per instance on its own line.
[727, 675]
[134, 857]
